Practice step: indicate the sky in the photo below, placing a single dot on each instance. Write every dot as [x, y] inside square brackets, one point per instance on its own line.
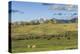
[27, 11]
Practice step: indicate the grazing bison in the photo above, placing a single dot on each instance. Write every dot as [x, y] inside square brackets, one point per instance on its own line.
[68, 38]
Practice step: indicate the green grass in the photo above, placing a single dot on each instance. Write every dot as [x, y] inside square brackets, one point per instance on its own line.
[44, 44]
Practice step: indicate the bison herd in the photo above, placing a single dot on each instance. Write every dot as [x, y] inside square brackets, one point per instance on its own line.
[67, 35]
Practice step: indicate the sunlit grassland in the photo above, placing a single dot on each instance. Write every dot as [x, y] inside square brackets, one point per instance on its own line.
[45, 28]
[44, 44]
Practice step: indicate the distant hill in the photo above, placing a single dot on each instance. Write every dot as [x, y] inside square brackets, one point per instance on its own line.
[42, 21]
[73, 20]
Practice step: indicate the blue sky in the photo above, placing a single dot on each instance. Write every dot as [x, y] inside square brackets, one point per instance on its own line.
[26, 11]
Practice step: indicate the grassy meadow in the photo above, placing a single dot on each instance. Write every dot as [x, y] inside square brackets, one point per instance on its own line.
[44, 37]
[35, 26]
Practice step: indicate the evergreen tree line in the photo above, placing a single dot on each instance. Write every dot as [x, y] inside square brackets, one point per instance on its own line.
[42, 21]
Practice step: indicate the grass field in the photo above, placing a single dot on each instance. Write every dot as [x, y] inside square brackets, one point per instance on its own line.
[45, 37]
